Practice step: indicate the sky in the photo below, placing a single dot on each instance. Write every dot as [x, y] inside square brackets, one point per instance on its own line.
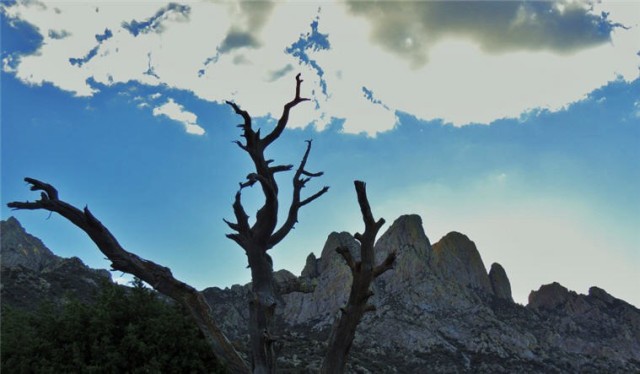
[515, 123]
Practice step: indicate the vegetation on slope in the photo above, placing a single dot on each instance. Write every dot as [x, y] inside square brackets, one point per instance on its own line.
[125, 331]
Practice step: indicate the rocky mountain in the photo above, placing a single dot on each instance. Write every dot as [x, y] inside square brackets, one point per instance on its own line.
[438, 310]
[31, 274]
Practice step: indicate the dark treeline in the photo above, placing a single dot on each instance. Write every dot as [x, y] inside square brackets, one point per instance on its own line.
[124, 331]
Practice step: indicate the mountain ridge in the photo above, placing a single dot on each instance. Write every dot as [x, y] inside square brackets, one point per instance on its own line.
[438, 310]
[30, 273]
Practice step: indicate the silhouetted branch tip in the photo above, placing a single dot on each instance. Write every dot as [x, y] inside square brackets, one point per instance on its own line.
[37, 185]
[314, 196]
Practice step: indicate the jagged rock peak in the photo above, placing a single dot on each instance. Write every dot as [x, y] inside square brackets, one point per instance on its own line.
[311, 267]
[407, 229]
[500, 282]
[456, 258]
[550, 296]
[18, 248]
[407, 238]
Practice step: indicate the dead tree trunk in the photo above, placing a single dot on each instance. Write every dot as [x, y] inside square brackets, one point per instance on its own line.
[363, 272]
[159, 277]
[263, 235]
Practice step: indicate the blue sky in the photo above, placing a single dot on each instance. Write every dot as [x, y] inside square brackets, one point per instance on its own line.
[517, 124]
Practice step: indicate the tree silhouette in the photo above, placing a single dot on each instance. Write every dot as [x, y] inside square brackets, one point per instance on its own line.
[264, 234]
[255, 240]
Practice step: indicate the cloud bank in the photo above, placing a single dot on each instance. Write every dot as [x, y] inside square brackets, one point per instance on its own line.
[411, 28]
[363, 62]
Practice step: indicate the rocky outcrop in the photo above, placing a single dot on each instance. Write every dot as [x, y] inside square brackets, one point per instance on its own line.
[593, 327]
[439, 311]
[31, 274]
[22, 249]
[550, 296]
[500, 282]
[310, 269]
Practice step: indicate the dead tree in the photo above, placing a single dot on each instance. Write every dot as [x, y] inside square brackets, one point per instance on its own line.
[256, 240]
[264, 234]
[159, 277]
[363, 272]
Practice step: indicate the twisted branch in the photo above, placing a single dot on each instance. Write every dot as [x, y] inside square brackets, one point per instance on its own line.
[298, 184]
[159, 277]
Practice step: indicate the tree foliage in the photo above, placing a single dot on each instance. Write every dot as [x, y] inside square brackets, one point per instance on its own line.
[125, 331]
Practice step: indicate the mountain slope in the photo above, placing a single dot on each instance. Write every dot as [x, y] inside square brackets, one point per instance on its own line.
[438, 310]
[31, 274]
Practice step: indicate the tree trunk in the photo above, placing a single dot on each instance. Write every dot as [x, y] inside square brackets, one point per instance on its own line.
[363, 272]
[264, 234]
[261, 312]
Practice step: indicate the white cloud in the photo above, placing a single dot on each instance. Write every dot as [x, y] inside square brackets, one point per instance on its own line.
[460, 82]
[176, 112]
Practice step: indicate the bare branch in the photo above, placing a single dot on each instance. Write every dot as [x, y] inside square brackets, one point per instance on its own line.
[241, 215]
[305, 157]
[252, 137]
[284, 118]
[242, 146]
[312, 175]
[296, 203]
[36, 185]
[367, 295]
[387, 264]
[348, 258]
[233, 226]
[369, 308]
[314, 196]
[245, 115]
[156, 275]
[280, 168]
[365, 208]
